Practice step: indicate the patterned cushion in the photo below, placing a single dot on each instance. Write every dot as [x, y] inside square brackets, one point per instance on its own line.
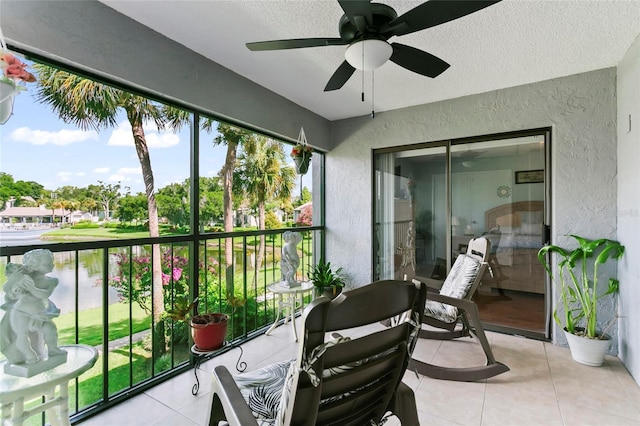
[267, 390]
[458, 282]
[263, 391]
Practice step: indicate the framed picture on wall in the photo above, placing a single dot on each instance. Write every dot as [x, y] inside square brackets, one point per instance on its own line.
[530, 176]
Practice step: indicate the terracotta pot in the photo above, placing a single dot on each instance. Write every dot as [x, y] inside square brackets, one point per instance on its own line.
[209, 331]
[587, 351]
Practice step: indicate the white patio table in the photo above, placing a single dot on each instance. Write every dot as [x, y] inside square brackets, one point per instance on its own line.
[15, 391]
[289, 299]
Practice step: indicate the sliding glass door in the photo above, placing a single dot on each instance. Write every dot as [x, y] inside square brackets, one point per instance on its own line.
[410, 213]
[431, 200]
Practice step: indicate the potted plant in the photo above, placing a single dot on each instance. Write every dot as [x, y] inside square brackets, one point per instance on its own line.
[578, 273]
[326, 282]
[208, 330]
[14, 71]
[301, 153]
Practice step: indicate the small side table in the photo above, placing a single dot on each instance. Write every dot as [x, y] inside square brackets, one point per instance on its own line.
[289, 299]
[202, 356]
[14, 391]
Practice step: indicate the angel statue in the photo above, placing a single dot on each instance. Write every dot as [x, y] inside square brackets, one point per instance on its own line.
[290, 259]
[27, 333]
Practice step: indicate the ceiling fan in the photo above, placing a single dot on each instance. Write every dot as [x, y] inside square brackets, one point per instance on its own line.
[367, 26]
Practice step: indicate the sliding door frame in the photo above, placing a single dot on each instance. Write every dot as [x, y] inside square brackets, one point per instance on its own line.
[546, 132]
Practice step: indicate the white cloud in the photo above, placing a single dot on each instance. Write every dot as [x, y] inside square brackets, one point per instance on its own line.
[80, 174]
[122, 136]
[101, 170]
[117, 178]
[64, 176]
[43, 137]
[130, 171]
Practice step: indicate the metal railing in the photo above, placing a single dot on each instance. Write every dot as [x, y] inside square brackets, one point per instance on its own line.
[106, 291]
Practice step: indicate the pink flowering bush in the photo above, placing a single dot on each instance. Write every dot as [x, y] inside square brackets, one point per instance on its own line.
[133, 277]
[306, 216]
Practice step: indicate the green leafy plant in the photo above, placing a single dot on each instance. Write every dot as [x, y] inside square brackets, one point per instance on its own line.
[578, 281]
[323, 277]
[181, 311]
[182, 307]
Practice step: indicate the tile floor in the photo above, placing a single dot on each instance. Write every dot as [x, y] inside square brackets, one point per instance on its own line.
[544, 387]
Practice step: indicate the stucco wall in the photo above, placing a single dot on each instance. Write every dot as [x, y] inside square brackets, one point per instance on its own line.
[93, 37]
[581, 109]
[629, 207]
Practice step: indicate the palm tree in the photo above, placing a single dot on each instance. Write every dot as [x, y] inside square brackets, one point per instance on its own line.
[54, 204]
[92, 105]
[89, 204]
[234, 138]
[263, 176]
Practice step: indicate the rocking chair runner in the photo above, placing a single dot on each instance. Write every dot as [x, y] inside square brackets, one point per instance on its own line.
[452, 311]
[340, 381]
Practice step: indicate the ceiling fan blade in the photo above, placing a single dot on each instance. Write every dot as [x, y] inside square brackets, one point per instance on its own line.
[359, 13]
[432, 13]
[417, 60]
[296, 43]
[340, 77]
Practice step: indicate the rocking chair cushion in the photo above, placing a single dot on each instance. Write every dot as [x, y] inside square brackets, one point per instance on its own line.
[457, 285]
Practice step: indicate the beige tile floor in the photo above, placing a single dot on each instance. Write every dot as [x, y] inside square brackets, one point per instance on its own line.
[544, 387]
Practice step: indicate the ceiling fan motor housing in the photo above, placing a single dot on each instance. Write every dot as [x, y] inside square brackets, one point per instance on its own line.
[381, 15]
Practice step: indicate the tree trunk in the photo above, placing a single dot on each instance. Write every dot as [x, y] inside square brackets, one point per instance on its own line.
[154, 231]
[261, 247]
[227, 180]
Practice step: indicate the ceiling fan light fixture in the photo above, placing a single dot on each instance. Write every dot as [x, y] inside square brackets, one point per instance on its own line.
[367, 55]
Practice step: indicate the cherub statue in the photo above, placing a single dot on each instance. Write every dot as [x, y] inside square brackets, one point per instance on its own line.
[290, 259]
[27, 325]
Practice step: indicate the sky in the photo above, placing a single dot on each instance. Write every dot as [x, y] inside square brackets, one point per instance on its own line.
[37, 146]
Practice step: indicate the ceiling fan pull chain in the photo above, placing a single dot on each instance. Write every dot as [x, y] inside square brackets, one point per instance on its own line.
[373, 113]
[363, 73]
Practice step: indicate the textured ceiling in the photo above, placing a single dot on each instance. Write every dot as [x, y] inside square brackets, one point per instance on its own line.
[511, 43]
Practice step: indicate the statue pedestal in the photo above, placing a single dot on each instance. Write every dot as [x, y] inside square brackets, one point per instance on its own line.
[29, 370]
[289, 300]
[287, 284]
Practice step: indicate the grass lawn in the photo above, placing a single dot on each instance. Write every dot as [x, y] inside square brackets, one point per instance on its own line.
[90, 324]
[123, 360]
[88, 234]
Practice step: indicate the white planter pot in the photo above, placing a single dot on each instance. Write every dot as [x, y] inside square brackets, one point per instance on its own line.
[7, 93]
[587, 351]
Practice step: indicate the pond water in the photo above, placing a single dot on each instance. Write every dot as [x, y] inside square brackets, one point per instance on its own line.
[90, 270]
[89, 279]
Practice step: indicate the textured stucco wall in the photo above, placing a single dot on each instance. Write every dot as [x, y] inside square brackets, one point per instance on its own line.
[581, 109]
[95, 38]
[629, 207]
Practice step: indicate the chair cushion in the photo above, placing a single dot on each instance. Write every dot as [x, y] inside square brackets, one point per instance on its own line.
[462, 275]
[267, 390]
[264, 389]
